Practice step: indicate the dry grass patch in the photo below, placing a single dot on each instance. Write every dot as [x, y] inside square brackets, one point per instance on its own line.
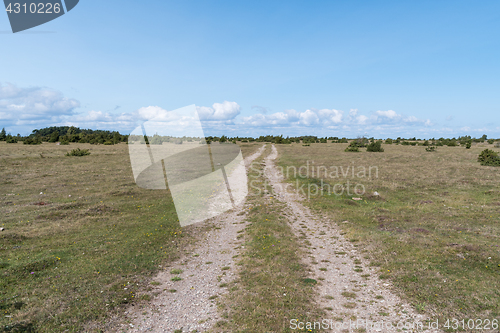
[435, 234]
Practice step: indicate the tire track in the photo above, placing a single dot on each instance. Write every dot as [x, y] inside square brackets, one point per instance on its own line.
[347, 287]
[192, 307]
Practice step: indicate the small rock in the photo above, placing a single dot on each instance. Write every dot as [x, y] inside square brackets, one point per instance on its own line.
[70, 195]
[41, 193]
[357, 199]
[376, 193]
[2, 229]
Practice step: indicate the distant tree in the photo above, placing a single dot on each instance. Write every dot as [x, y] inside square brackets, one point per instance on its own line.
[489, 157]
[54, 137]
[3, 135]
[375, 147]
[11, 139]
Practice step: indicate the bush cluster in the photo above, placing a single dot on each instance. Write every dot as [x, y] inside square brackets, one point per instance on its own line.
[375, 147]
[78, 152]
[352, 149]
[489, 157]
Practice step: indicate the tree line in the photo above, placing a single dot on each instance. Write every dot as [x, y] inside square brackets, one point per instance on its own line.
[67, 134]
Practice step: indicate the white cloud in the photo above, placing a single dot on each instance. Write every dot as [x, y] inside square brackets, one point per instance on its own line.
[36, 105]
[331, 116]
[219, 111]
[388, 114]
[308, 118]
[411, 119]
[323, 118]
[150, 112]
[361, 119]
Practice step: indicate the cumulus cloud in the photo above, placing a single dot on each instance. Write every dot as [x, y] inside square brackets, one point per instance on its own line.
[308, 118]
[387, 114]
[35, 105]
[330, 116]
[219, 111]
[411, 119]
[361, 119]
[39, 107]
[279, 118]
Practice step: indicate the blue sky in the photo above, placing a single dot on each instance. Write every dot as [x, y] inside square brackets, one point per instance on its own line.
[326, 68]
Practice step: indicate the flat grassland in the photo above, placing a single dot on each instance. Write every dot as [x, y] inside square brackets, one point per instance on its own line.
[433, 229]
[81, 238]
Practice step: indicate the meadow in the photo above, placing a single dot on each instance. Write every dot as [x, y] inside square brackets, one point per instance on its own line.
[428, 220]
[80, 238]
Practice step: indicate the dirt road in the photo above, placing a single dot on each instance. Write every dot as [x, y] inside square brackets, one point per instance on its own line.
[348, 288]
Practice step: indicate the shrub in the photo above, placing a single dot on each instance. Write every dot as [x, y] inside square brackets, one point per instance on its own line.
[78, 152]
[452, 143]
[352, 149]
[108, 143]
[375, 147]
[490, 141]
[64, 142]
[11, 139]
[388, 141]
[431, 148]
[32, 141]
[468, 145]
[489, 157]
[359, 142]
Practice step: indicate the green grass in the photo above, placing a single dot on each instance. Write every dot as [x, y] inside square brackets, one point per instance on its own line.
[85, 247]
[90, 242]
[176, 271]
[433, 230]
